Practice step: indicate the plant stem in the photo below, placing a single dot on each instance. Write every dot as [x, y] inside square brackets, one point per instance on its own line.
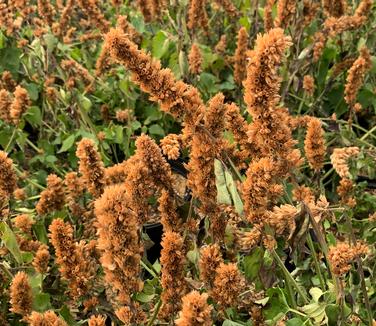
[361, 274]
[316, 262]
[288, 276]
[156, 310]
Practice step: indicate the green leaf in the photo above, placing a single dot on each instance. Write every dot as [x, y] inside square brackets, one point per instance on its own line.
[277, 305]
[41, 302]
[252, 263]
[32, 90]
[228, 322]
[67, 143]
[34, 116]
[160, 44]
[315, 311]
[10, 241]
[234, 192]
[333, 312]
[143, 297]
[294, 322]
[156, 130]
[10, 59]
[316, 294]
[223, 196]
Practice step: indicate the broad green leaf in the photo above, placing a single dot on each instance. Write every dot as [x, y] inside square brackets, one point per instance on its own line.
[295, 322]
[316, 294]
[228, 322]
[10, 241]
[143, 297]
[32, 90]
[277, 305]
[315, 311]
[156, 130]
[41, 302]
[10, 59]
[67, 143]
[34, 116]
[252, 263]
[223, 196]
[234, 192]
[160, 44]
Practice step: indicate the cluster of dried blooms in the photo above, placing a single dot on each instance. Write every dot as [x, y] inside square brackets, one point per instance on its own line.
[195, 59]
[21, 297]
[343, 254]
[240, 56]
[195, 310]
[314, 144]
[356, 76]
[43, 319]
[52, 198]
[13, 106]
[8, 178]
[74, 261]
[197, 15]
[339, 159]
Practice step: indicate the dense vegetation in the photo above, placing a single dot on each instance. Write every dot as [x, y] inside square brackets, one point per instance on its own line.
[168, 162]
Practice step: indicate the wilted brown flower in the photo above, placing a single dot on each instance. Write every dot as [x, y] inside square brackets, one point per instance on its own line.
[356, 76]
[19, 194]
[221, 45]
[249, 239]
[5, 103]
[286, 10]
[172, 280]
[20, 104]
[167, 208]
[116, 173]
[78, 72]
[41, 258]
[122, 115]
[74, 189]
[197, 15]
[119, 242]
[74, 259]
[175, 97]
[7, 82]
[268, 17]
[195, 59]
[240, 57]
[342, 65]
[340, 158]
[195, 310]
[52, 198]
[228, 284]
[343, 254]
[210, 259]
[171, 146]
[24, 222]
[335, 8]
[309, 84]
[47, 318]
[46, 11]
[310, 9]
[345, 191]
[94, 14]
[8, 179]
[314, 144]
[282, 219]
[260, 189]
[97, 320]
[228, 6]
[21, 297]
[91, 167]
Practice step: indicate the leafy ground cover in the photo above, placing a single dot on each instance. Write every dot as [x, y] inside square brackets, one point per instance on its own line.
[187, 162]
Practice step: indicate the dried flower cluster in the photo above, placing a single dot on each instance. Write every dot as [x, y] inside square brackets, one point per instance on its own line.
[52, 198]
[314, 144]
[195, 59]
[343, 254]
[21, 297]
[45, 319]
[91, 167]
[197, 15]
[356, 76]
[73, 258]
[195, 310]
[339, 159]
[240, 57]
[8, 178]
[309, 84]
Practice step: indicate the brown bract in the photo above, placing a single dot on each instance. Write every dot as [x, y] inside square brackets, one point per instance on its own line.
[8, 179]
[314, 144]
[195, 310]
[53, 197]
[210, 259]
[195, 59]
[91, 167]
[21, 297]
[240, 57]
[173, 283]
[197, 15]
[343, 254]
[47, 318]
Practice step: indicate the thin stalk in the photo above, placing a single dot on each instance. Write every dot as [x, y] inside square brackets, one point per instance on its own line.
[316, 262]
[10, 140]
[155, 314]
[288, 276]
[361, 274]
